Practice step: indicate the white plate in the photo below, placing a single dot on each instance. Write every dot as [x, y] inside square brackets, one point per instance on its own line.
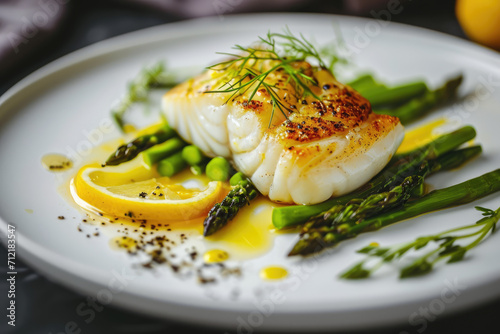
[50, 111]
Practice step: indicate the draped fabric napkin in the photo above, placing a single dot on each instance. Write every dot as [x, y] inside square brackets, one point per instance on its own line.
[24, 27]
[198, 8]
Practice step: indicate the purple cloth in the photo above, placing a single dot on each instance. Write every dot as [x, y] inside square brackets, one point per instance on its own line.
[198, 8]
[24, 26]
[363, 6]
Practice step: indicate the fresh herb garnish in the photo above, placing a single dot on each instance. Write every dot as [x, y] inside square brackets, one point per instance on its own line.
[248, 69]
[448, 248]
[155, 76]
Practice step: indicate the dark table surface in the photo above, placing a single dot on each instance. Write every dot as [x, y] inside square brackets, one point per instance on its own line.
[45, 307]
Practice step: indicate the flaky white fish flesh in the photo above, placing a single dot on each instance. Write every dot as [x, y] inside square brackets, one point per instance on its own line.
[312, 151]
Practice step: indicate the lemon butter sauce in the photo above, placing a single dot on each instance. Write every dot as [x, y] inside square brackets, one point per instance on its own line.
[56, 162]
[215, 256]
[272, 273]
[248, 235]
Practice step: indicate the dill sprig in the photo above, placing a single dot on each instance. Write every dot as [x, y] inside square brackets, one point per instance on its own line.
[448, 248]
[138, 90]
[248, 68]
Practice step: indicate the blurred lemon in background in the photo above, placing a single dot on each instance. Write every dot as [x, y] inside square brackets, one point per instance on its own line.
[480, 19]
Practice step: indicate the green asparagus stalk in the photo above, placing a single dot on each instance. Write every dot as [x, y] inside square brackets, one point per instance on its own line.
[218, 169]
[402, 165]
[197, 170]
[242, 193]
[364, 82]
[130, 150]
[358, 209]
[383, 96]
[459, 194]
[237, 178]
[171, 165]
[447, 249]
[320, 227]
[421, 105]
[193, 155]
[454, 159]
[195, 159]
[161, 151]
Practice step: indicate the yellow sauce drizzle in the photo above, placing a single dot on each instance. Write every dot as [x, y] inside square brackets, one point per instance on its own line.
[30, 211]
[129, 128]
[56, 162]
[421, 135]
[215, 256]
[248, 235]
[273, 273]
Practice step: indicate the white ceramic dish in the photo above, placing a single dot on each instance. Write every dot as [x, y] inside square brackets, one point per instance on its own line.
[50, 110]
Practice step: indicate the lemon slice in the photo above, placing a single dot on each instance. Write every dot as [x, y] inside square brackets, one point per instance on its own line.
[120, 192]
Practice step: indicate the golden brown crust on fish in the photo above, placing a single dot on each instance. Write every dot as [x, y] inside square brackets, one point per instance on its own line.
[323, 143]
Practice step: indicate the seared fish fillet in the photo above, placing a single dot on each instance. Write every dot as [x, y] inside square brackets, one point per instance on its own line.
[321, 148]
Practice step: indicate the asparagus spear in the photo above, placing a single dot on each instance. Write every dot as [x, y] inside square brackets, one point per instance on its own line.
[318, 229]
[161, 151]
[171, 165]
[421, 105]
[358, 209]
[454, 159]
[195, 159]
[459, 194]
[242, 193]
[130, 150]
[197, 169]
[218, 169]
[364, 82]
[192, 155]
[383, 96]
[402, 165]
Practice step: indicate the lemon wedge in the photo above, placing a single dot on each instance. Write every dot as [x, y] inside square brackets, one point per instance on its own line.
[131, 191]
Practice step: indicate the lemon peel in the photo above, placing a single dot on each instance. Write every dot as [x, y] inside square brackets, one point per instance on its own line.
[114, 191]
